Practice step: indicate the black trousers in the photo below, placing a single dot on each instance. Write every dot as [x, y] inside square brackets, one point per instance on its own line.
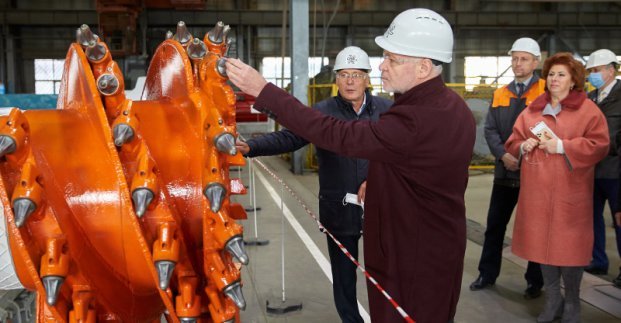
[344, 278]
[502, 203]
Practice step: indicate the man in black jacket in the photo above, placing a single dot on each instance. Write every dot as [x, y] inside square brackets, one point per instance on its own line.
[338, 175]
[602, 67]
[508, 102]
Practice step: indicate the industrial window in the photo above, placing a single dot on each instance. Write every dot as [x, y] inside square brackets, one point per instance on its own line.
[487, 70]
[376, 74]
[48, 73]
[271, 69]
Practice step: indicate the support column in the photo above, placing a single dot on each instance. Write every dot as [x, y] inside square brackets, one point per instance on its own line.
[239, 41]
[143, 32]
[349, 37]
[298, 28]
[2, 55]
[551, 45]
[249, 46]
[455, 72]
[11, 71]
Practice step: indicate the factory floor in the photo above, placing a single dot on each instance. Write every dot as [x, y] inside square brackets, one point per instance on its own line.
[307, 270]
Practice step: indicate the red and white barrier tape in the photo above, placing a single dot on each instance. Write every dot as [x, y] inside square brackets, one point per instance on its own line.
[397, 307]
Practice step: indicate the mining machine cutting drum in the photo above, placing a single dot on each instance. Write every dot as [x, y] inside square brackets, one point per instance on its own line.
[118, 210]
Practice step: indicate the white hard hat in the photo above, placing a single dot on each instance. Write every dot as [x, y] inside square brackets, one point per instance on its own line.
[421, 33]
[352, 57]
[601, 57]
[526, 44]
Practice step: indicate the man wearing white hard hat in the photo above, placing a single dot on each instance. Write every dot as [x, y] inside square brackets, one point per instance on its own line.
[507, 103]
[602, 66]
[419, 152]
[338, 175]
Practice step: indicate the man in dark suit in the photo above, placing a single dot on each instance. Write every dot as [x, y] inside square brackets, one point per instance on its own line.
[602, 66]
[508, 102]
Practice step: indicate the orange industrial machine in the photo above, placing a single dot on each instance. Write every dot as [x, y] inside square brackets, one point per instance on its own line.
[118, 210]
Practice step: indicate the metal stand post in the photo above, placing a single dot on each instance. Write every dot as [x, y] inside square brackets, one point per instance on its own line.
[282, 305]
[255, 241]
[252, 196]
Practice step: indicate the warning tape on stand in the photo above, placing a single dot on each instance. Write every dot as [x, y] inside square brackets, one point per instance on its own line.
[397, 307]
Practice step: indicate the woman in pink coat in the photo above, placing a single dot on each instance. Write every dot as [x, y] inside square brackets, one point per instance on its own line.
[559, 138]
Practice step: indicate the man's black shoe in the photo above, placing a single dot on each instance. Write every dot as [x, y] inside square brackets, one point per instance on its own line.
[532, 291]
[596, 271]
[617, 281]
[480, 283]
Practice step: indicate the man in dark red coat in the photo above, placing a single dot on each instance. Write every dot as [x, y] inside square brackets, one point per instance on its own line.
[419, 152]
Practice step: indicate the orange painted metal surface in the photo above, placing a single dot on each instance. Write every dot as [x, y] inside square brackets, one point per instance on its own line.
[119, 210]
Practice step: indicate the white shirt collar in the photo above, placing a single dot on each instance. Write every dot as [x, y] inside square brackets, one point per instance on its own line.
[525, 82]
[364, 103]
[603, 93]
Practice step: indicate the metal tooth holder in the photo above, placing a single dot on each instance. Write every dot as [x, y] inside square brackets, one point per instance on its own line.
[52, 288]
[235, 246]
[183, 35]
[96, 52]
[85, 36]
[22, 209]
[122, 133]
[215, 193]
[229, 41]
[7, 145]
[215, 34]
[141, 197]
[234, 292]
[164, 269]
[221, 66]
[225, 142]
[197, 49]
[225, 32]
[107, 84]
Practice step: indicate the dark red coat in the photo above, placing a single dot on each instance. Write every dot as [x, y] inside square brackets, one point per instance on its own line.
[415, 223]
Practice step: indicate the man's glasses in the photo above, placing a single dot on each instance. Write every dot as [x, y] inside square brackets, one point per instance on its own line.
[353, 76]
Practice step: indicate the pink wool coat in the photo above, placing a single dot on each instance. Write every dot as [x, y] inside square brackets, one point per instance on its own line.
[554, 222]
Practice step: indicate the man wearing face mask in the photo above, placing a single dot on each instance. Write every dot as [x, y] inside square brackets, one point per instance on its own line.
[602, 66]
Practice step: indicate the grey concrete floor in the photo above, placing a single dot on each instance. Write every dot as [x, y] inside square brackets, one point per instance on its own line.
[305, 249]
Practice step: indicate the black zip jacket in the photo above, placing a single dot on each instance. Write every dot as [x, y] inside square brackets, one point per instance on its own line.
[611, 107]
[338, 175]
